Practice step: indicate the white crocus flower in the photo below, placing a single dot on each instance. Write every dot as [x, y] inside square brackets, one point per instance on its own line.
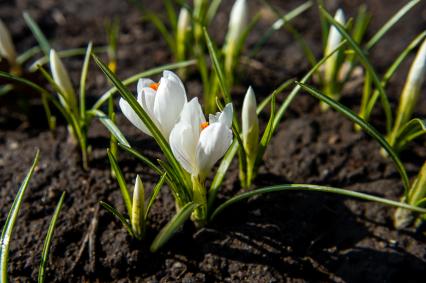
[198, 144]
[7, 49]
[162, 101]
[334, 38]
[250, 124]
[62, 79]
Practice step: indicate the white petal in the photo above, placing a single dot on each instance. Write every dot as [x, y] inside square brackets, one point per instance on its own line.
[173, 77]
[169, 101]
[334, 35]
[146, 98]
[143, 83]
[213, 143]
[224, 117]
[238, 19]
[192, 114]
[132, 116]
[183, 146]
[62, 79]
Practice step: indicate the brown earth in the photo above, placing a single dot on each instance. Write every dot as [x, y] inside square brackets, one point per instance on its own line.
[272, 238]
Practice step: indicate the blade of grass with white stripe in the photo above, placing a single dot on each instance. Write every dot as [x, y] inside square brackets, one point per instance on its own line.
[83, 79]
[282, 21]
[119, 216]
[109, 124]
[157, 135]
[121, 182]
[154, 194]
[138, 76]
[11, 220]
[367, 65]
[390, 23]
[413, 129]
[177, 221]
[48, 240]
[366, 127]
[283, 108]
[315, 188]
[38, 34]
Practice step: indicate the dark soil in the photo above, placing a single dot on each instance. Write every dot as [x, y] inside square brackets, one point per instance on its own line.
[272, 238]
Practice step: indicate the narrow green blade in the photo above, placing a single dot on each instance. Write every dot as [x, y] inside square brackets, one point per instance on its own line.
[48, 240]
[154, 194]
[167, 232]
[413, 129]
[314, 188]
[121, 182]
[110, 125]
[38, 34]
[365, 126]
[11, 220]
[119, 216]
[390, 23]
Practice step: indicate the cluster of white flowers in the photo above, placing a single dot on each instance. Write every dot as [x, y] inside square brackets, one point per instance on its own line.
[196, 143]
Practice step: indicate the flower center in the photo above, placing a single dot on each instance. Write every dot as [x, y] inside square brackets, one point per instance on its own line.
[204, 125]
[154, 86]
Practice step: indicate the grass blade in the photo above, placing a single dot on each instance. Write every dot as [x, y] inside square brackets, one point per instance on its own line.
[217, 66]
[142, 158]
[159, 25]
[390, 23]
[366, 127]
[119, 216]
[315, 188]
[267, 134]
[11, 220]
[110, 125]
[410, 131]
[38, 34]
[83, 79]
[171, 227]
[154, 194]
[368, 67]
[144, 74]
[48, 240]
[121, 182]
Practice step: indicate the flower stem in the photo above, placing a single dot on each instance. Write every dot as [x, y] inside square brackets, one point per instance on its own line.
[199, 216]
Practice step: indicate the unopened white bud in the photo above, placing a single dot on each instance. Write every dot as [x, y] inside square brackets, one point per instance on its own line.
[7, 49]
[250, 124]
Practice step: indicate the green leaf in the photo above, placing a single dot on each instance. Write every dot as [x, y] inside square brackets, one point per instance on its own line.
[177, 221]
[314, 188]
[154, 194]
[283, 108]
[64, 54]
[48, 240]
[27, 55]
[110, 125]
[121, 182]
[217, 66]
[282, 21]
[119, 216]
[366, 63]
[212, 10]
[142, 158]
[153, 129]
[158, 23]
[38, 34]
[365, 126]
[5, 89]
[11, 220]
[275, 93]
[138, 76]
[390, 72]
[413, 129]
[267, 134]
[83, 79]
[390, 23]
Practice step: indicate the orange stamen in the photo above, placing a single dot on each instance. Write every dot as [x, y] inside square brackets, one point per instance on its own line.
[154, 86]
[204, 125]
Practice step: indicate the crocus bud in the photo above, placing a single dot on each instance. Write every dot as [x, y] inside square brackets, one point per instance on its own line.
[237, 23]
[62, 79]
[250, 124]
[7, 49]
[183, 25]
[138, 208]
[413, 84]
[334, 38]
